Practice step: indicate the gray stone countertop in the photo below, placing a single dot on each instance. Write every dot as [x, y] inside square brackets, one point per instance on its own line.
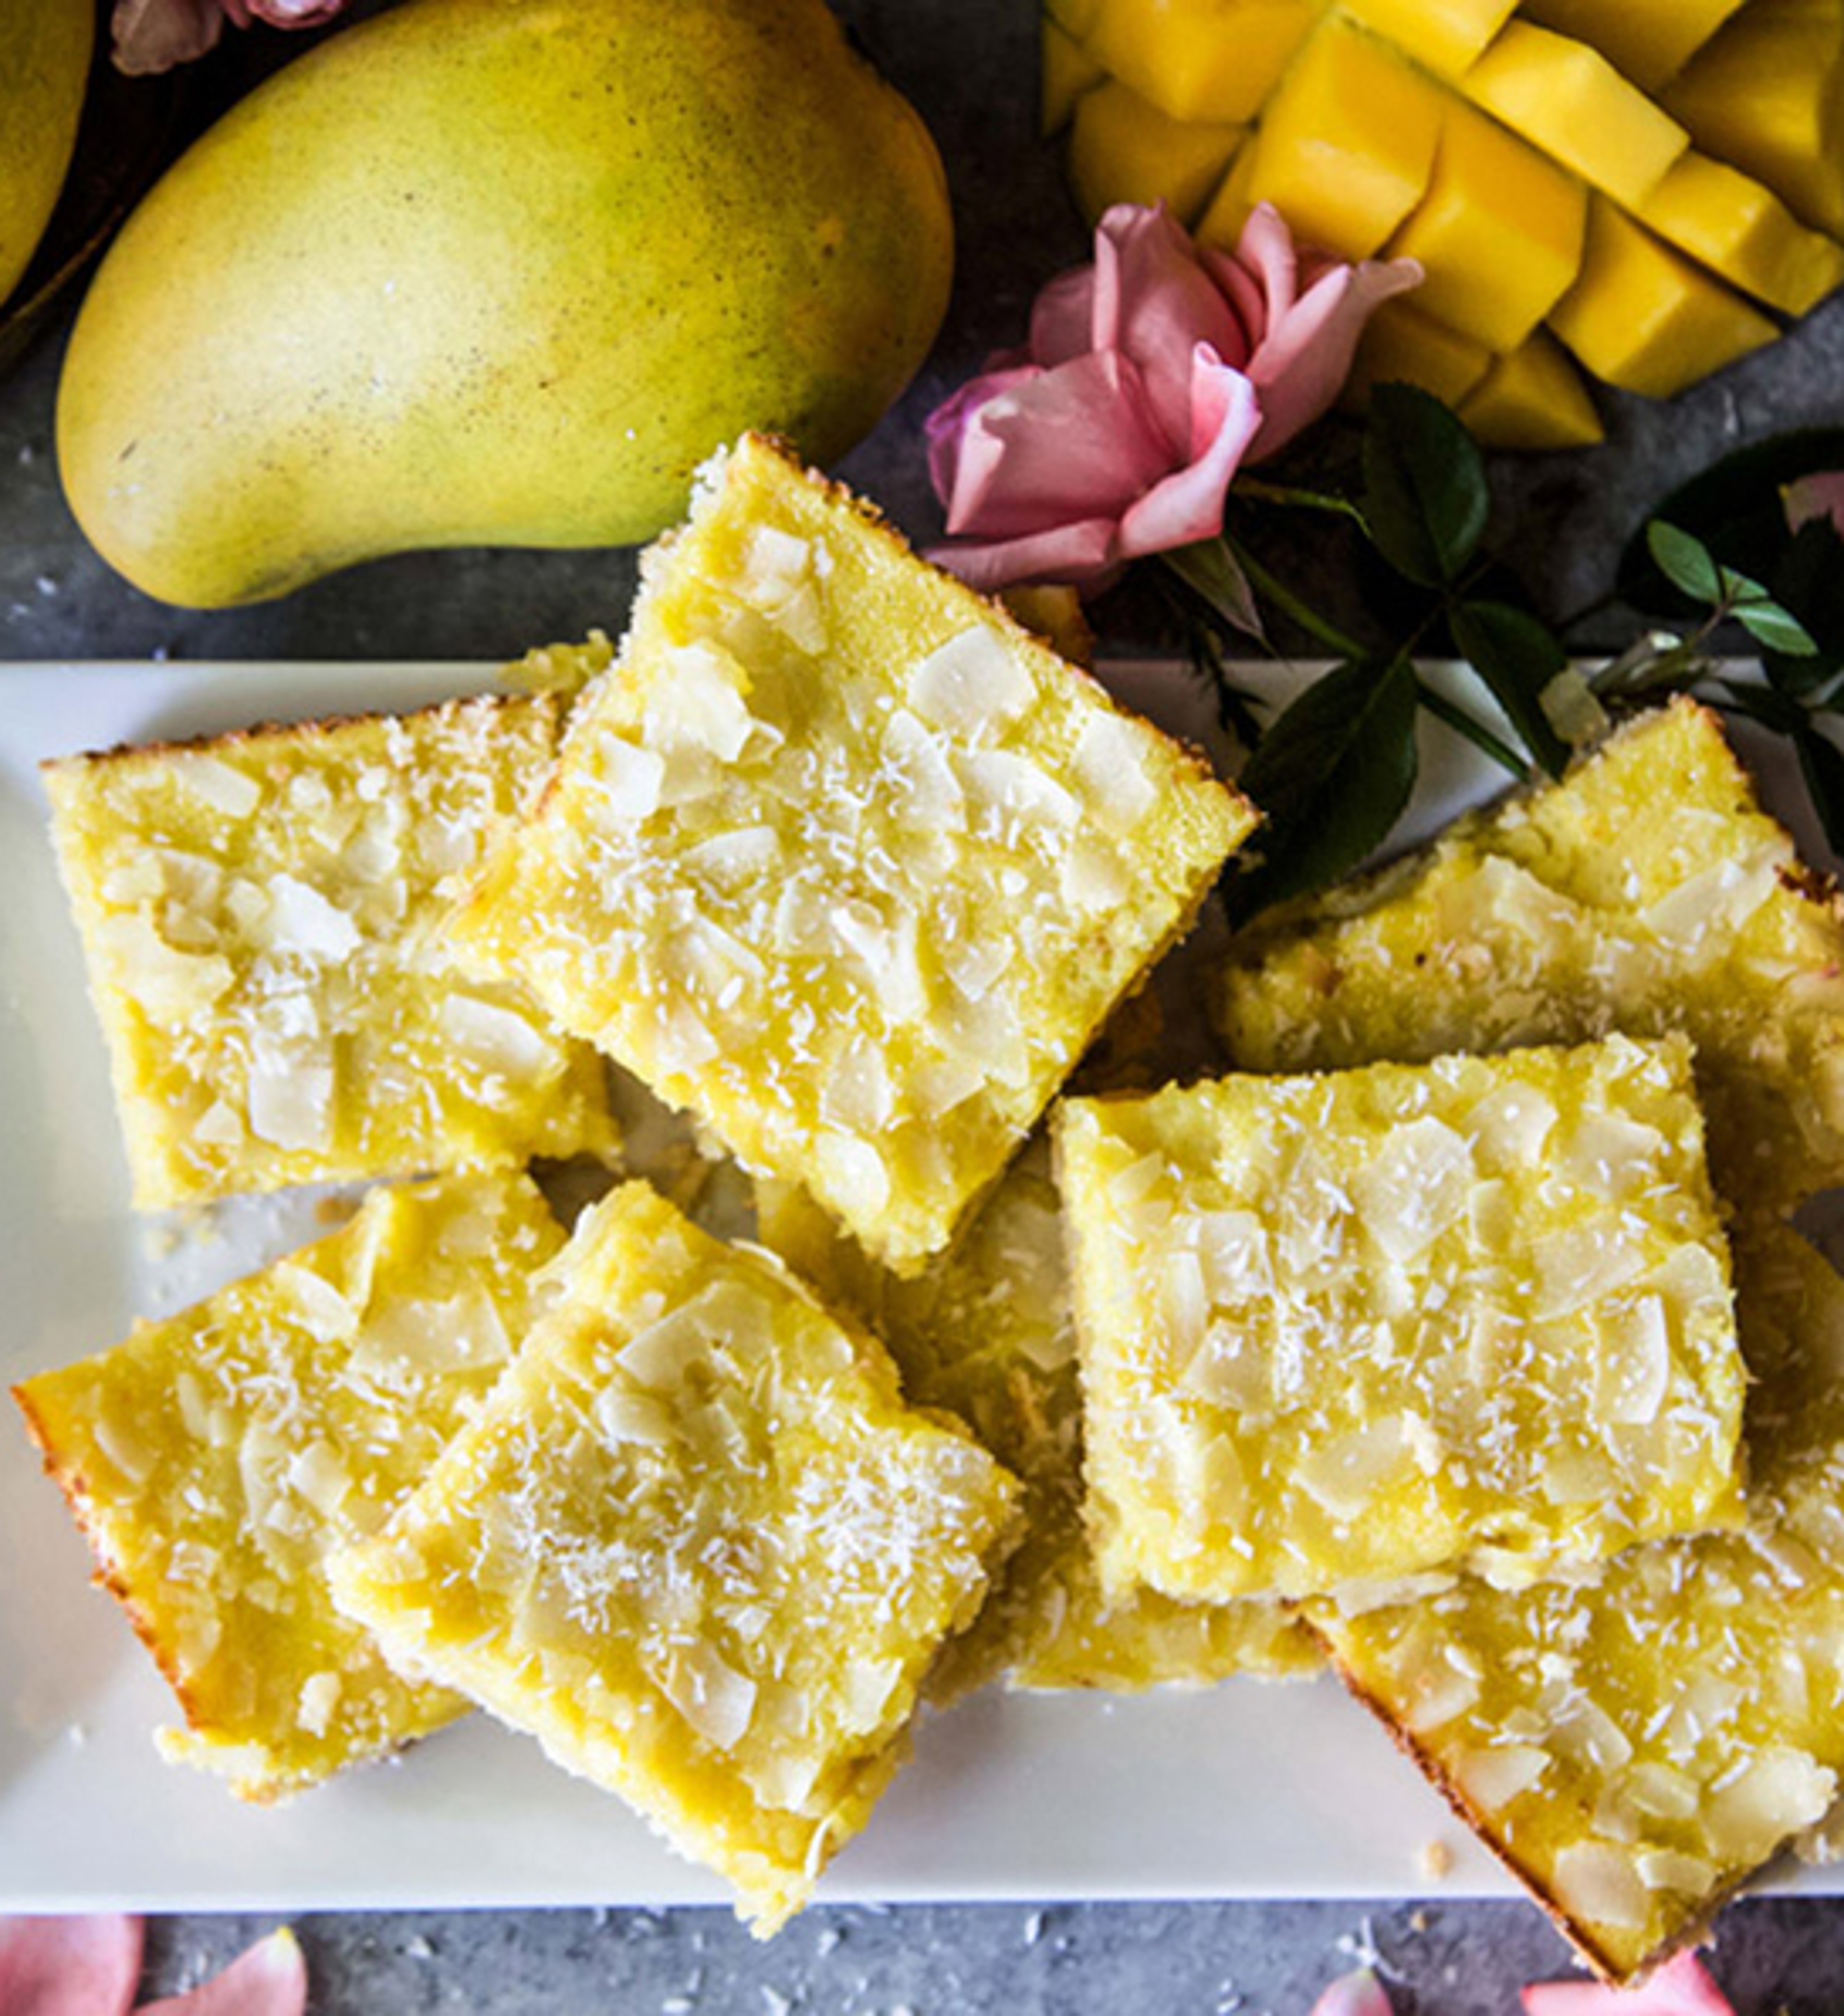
[969, 65]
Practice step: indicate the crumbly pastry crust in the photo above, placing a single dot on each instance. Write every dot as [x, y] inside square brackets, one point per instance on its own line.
[1646, 892]
[259, 913]
[844, 861]
[696, 1546]
[1633, 1749]
[1339, 1332]
[214, 1460]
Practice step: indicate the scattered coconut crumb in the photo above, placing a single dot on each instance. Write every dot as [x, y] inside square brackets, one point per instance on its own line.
[1034, 1928]
[1435, 1861]
[829, 1940]
[419, 1947]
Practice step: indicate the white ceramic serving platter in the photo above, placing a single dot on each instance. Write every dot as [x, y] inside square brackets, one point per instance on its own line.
[1245, 1791]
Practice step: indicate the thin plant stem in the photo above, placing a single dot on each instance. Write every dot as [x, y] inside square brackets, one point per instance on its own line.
[1289, 604]
[1476, 731]
[1260, 491]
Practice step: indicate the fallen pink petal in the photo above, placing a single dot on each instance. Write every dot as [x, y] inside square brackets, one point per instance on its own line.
[1152, 375]
[1816, 497]
[151, 37]
[1359, 1994]
[1683, 1987]
[77, 1966]
[269, 1979]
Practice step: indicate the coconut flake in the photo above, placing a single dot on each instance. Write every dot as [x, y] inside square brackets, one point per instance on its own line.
[717, 1701]
[224, 789]
[1414, 1187]
[629, 779]
[970, 684]
[1110, 761]
[499, 1037]
[291, 1105]
[1780, 1792]
[1596, 1883]
[300, 920]
[1632, 1368]
[1492, 1778]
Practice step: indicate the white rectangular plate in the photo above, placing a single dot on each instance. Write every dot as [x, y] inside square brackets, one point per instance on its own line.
[1246, 1791]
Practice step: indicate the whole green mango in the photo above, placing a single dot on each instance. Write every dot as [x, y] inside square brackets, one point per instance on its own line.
[45, 62]
[498, 272]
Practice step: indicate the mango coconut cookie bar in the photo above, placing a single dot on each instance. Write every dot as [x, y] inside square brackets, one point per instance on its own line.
[216, 1459]
[695, 1545]
[844, 861]
[259, 914]
[1646, 892]
[1340, 1332]
[988, 1334]
[1633, 1749]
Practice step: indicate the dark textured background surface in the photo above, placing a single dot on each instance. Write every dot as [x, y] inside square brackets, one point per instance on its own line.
[969, 65]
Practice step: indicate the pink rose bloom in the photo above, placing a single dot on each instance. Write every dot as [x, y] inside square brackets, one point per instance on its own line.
[1683, 1987]
[1151, 377]
[91, 1967]
[152, 35]
[1359, 1994]
[1815, 497]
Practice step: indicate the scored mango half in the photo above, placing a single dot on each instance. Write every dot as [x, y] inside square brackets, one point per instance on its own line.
[1638, 194]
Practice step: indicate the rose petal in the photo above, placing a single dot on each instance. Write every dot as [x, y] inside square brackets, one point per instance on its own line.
[295, 13]
[151, 36]
[1063, 318]
[269, 1979]
[1359, 1994]
[1300, 367]
[1188, 505]
[945, 427]
[1054, 447]
[1155, 302]
[1815, 497]
[69, 1967]
[1084, 555]
[1681, 1988]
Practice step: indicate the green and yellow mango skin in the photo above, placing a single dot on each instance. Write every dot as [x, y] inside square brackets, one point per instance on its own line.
[498, 272]
[45, 63]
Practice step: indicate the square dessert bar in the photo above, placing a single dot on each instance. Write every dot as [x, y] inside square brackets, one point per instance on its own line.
[1634, 1748]
[841, 859]
[215, 1459]
[1645, 892]
[259, 918]
[1339, 1332]
[697, 1546]
[988, 1332]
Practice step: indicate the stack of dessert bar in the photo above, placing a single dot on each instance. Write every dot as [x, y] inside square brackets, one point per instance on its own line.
[1432, 1336]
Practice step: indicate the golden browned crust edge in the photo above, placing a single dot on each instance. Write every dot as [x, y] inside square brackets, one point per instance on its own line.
[1695, 1931]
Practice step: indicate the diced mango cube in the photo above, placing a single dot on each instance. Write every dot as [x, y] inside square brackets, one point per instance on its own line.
[1074, 17]
[1767, 96]
[1348, 140]
[1214, 60]
[1499, 233]
[1649, 41]
[1533, 399]
[1446, 35]
[1125, 149]
[1222, 222]
[1065, 70]
[1569, 100]
[1403, 346]
[1742, 230]
[1643, 318]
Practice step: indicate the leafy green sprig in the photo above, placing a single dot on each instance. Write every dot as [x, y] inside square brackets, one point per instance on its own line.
[1334, 770]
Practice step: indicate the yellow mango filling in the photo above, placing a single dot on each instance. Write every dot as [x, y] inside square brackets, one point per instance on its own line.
[1400, 345]
[1499, 234]
[1567, 98]
[1647, 891]
[841, 860]
[1767, 96]
[261, 916]
[1643, 318]
[1125, 149]
[1635, 1748]
[1745, 233]
[1066, 70]
[1444, 36]
[1338, 1333]
[695, 1546]
[1199, 60]
[1648, 41]
[1534, 398]
[988, 1334]
[216, 1459]
[1348, 140]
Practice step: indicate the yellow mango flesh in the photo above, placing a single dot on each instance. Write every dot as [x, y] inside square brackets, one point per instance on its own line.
[473, 274]
[1569, 100]
[1767, 97]
[1447, 36]
[1744, 233]
[1499, 234]
[1125, 149]
[1348, 140]
[1643, 318]
[1403, 346]
[1648, 41]
[1066, 70]
[1222, 223]
[1533, 399]
[45, 61]
[1201, 59]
